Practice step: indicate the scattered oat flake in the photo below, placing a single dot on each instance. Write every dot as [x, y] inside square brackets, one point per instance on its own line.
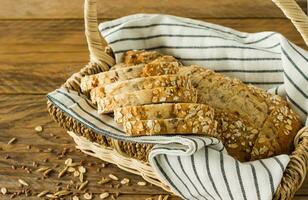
[47, 172]
[141, 183]
[160, 197]
[166, 197]
[3, 190]
[76, 173]
[104, 180]
[81, 177]
[113, 177]
[73, 164]
[124, 181]
[12, 141]
[71, 169]
[83, 185]
[75, 198]
[51, 196]
[62, 172]
[69, 161]
[42, 169]
[22, 182]
[104, 195]
[87, 196]
[81, 169]
[38, 128]
[62, 193]
[43, 193]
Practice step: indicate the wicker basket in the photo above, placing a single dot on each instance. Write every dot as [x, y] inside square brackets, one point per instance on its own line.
[132, 157]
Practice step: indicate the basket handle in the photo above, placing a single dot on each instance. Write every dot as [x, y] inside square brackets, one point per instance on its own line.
[297, 16]
[97, 45]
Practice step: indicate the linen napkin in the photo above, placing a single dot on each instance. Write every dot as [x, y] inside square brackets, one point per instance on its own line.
[199, 167]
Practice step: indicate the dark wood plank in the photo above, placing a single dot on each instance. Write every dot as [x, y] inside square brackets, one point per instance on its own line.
[36, 78]
[304, 189]
[121, 197]
[300, 197]
[23, 111]
[51, 9]
[48, 145]
[70, 33]
[37, 56]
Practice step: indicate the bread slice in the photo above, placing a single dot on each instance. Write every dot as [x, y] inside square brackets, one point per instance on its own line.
[273, 123]
[97, 93]
[164, 111]
[111, 76]
[237, 135]
[148, 96]
[280, 127]
[166, 59]
[170, 126]
[141, 83]
[103, 78]
[135, 57]
[119, 66]
[160, 68]
[157, 60]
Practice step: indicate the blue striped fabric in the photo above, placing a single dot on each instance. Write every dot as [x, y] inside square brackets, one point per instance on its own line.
[199, 167]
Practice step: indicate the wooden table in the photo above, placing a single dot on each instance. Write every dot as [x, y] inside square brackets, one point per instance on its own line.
[42, 43]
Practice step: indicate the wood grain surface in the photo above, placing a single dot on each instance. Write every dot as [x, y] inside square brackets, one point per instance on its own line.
[72, 9]
[39, 55]
[42, 43]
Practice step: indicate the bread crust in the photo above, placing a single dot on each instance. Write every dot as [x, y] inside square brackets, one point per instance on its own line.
[277, 133]
[236, 133]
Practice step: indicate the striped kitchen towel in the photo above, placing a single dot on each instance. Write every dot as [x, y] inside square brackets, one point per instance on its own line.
[199, 167]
